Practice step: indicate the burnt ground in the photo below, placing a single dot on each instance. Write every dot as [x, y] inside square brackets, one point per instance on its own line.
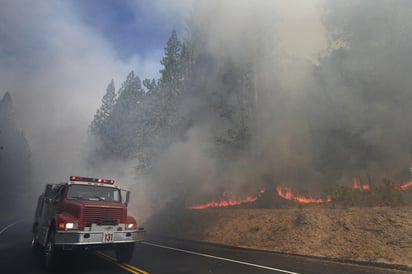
[366, 234]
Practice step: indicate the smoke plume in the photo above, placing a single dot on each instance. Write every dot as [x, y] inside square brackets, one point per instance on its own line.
[56, 69]
[324, 85]
[331, 92]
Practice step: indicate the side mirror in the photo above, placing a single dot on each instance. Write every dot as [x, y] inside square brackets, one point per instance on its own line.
[51, 200]
[125, 197]
[48, 191]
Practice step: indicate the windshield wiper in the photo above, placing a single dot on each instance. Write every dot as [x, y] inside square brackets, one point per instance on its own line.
[76, 198]
[99, 198]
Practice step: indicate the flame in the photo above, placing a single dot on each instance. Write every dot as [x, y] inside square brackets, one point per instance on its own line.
[228, 200]
[406, 185]
[357, 185]
[286, 193]
[366, 187]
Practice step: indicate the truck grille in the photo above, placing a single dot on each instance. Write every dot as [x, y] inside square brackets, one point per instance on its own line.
[93, 215]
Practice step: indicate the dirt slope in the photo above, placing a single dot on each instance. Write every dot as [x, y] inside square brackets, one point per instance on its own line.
[373, 234]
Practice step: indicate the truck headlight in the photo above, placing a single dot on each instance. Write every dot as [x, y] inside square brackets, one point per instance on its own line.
[67, 226]
[131, 226]
[71, 225]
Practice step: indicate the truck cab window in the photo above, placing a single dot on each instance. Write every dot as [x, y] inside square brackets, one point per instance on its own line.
[93, 193]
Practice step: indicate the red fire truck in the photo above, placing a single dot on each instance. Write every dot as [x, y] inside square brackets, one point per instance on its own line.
[84, 214]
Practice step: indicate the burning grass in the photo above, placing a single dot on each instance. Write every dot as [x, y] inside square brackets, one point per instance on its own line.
[362, 223]
[388, 193]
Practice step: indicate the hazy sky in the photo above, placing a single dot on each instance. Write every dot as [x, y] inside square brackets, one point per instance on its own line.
[57, 58]
[132, 27]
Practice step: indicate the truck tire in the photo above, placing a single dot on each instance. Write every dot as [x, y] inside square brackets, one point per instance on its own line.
[35, 246]
[51, 254]
[124, 252]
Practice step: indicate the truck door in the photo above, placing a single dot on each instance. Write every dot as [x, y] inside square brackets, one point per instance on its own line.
[48, 210]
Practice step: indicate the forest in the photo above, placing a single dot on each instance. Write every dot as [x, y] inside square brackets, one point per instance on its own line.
[234, 110]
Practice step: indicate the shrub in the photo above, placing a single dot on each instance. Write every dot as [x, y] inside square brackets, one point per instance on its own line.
[390, 193]
[300, 217]
[346, 196]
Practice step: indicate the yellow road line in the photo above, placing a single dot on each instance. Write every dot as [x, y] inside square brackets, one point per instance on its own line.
[137, 269]
[128, 267]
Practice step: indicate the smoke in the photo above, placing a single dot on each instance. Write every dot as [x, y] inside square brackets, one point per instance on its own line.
[331, 90]
[242, 33]
[364, 89]
[57, 70]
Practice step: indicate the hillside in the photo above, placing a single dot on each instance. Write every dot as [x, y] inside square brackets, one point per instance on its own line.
[370, 234]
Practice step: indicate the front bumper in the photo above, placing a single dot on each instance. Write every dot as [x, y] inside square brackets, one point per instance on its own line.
[105, 235]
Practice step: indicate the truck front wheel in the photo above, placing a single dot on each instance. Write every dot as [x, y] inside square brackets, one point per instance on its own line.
[35, 246]
[124, 252]
[50, 252]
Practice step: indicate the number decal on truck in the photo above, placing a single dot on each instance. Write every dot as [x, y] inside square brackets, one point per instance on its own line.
[108, 237]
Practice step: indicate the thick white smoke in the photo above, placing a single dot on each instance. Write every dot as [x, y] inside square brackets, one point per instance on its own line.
[331, 89]
[330, 86]
[57, 69]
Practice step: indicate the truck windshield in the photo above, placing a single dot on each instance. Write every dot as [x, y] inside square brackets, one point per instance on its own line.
[93, 193]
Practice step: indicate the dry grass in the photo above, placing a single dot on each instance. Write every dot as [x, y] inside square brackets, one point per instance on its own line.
[372, 234]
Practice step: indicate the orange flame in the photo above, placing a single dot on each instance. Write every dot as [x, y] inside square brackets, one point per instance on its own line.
[286, 193]
[406, 185]
[357, 185]
[228, 200]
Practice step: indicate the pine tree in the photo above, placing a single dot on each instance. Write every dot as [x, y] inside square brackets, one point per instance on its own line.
[151, 86]
[130, 95]
[170, 83]
[123, 124]
[97, 127]
[15, 163]
[171, 74]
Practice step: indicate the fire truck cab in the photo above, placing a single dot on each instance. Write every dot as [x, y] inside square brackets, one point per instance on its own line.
[84, 214]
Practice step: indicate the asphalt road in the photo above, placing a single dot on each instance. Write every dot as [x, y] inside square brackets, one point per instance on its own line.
[163, 255]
